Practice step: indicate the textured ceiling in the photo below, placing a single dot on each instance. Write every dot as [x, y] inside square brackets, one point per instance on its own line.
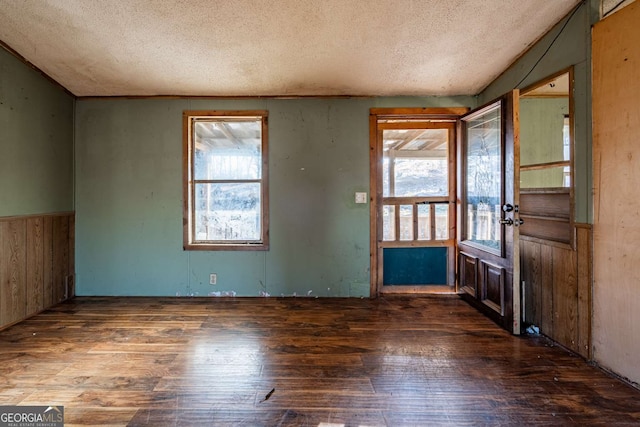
[275, 47]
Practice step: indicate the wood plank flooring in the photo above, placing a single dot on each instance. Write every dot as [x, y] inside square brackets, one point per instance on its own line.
[322, 362]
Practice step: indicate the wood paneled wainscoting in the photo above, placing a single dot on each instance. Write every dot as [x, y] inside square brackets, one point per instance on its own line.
[36, 264]
[557, 288]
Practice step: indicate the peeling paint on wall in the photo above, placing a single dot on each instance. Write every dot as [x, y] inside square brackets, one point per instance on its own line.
[223, 294]
[318, 239]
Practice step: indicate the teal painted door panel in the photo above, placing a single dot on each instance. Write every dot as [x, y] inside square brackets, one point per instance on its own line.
[415, 266]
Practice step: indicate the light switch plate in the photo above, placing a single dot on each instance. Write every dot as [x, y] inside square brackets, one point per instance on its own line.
[361, 197]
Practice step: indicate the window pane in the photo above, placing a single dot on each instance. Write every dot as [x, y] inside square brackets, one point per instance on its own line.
[544, 129]
[554, 177]
[442, 222]
[389, 223]
[386, 189]
[421, 177]
[227, 150]
[566, 139]
[227, 212]
[415, 162]
[483, 178]
[406, 222]
[424, 222]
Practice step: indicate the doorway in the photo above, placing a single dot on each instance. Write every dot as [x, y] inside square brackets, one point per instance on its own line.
[445, 207]
[552, 245]
[413, 180]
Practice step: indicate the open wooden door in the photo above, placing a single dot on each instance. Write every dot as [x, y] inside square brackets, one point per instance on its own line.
[488, 203]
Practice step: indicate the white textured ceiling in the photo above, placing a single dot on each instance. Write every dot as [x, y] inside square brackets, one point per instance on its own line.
[275, 47]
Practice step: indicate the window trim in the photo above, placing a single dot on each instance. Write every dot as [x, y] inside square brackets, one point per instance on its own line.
[188, 118]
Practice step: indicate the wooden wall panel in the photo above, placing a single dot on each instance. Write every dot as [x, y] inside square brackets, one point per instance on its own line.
[4, 262]
[35, 261]
[547, 215]
[48, 262]
[530, 274]
[558, 289]
[585, 279]
[546, 289]
[72, 259]
[13, 271]
[36, 255]
[60, 257]
[565, 297]
[550, 204]
[616, 173]
[558, 230]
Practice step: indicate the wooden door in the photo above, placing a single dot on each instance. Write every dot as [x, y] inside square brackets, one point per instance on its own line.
[488, 203]
[413, 171]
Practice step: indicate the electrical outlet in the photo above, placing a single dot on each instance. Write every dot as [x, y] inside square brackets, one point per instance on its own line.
[213, 278]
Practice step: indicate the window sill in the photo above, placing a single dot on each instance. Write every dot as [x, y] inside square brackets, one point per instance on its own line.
[226, 247]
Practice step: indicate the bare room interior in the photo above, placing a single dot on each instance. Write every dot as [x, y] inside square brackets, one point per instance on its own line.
[320, 213]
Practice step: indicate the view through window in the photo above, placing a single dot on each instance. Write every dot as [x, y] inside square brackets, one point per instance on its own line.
[415, 179]
[483, 171]
[225, 180]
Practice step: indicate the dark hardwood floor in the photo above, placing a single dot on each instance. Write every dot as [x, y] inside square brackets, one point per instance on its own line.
[304, 362]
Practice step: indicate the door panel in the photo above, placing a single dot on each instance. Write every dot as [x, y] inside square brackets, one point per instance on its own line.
[468, 274]
[488, 227]
[415, 266]
[494, 281]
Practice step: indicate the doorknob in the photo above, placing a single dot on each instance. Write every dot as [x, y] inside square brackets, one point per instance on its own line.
[507, 221]
[519, 222]
[507, 208]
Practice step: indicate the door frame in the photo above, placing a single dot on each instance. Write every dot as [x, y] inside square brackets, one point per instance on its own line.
[375, 164]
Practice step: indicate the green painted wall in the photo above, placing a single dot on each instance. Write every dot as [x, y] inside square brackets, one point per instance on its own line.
[541, 140]
[36, 142]
[129, 199]
[571, 48]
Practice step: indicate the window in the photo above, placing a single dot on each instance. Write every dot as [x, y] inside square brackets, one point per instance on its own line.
[546, 164]
[483, 177]
[566, 148]
[416, 180]
[545, 137]
[225, 180]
